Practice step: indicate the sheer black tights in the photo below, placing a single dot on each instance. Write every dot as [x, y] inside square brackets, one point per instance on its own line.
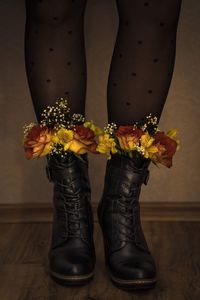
[143, 59]
[55, 53]
[142, 62]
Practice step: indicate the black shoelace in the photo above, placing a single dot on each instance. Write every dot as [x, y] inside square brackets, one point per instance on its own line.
[73, 209]
[128, 209]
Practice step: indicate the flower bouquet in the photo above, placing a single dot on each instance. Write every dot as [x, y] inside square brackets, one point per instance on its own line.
[140, 139]
[60, 134]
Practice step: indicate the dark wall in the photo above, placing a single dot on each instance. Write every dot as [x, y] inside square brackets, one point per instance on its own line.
[25, 181]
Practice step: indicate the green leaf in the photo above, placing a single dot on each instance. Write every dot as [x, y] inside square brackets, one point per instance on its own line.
[79, 156]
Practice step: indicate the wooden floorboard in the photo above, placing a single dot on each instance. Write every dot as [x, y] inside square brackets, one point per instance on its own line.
[24, 264]
[150, 211]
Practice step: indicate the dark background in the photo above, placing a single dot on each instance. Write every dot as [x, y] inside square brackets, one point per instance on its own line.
[24, 181]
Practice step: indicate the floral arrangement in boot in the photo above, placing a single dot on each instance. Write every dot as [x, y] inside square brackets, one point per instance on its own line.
[60, 133]
[140, 139]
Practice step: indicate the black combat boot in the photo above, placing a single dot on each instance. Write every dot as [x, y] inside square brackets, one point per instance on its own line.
[72, 253]
[127, 256]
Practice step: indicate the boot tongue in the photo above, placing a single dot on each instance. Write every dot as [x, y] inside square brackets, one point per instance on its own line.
[74, 202]
[74, 218]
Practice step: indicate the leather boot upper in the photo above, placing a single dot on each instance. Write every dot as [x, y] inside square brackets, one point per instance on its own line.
[128, 255]
[72, 248]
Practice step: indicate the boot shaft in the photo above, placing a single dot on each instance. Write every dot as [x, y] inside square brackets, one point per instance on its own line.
[119, 209]
[71, 200]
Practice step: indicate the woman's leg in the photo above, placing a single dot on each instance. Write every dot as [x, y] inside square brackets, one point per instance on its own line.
[143, 59]
[139, 80]
[55, 53]
[56, 67]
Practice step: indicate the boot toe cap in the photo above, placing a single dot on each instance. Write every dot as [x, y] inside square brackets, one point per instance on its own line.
[71, 265]
[71, 261]
[133, 268]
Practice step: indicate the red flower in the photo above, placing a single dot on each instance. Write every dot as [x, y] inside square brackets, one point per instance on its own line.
[129, 130]
[37, 142]
[128, 136]
[167, 148]
[84, 136]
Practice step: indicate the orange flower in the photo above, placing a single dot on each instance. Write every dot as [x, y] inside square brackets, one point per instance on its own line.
[166, 149]
[128, 136]
[83, 140]
[37, 142]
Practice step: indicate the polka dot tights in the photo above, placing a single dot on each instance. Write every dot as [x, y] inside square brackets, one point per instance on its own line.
[142, 62]
[55, 53]
[143, 59]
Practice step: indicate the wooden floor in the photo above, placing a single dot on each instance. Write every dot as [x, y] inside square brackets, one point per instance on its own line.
[24, 268]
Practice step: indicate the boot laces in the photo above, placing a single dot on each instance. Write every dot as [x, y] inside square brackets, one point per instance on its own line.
[73, 209]
[128, 208]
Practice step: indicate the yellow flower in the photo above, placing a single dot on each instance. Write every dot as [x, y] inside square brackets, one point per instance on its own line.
[97, 130]
[63, 136]
[79, 141]
[172, 134]
[146, 145]
[106, 145]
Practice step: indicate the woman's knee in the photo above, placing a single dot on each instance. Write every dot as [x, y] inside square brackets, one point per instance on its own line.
[54, 11]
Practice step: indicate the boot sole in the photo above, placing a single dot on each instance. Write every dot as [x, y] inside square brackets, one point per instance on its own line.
[71, 280]
[133, 284]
